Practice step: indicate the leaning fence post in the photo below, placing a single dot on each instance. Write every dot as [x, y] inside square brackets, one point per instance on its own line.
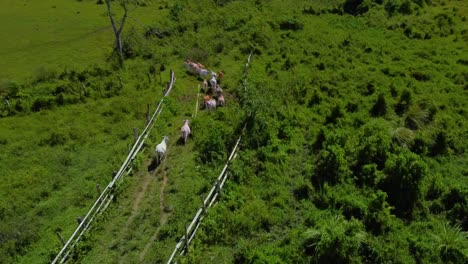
[114, 173]
[218, 188]
[59, 235]
[79, 220]
[135, 132]
[186, 240]
[203, 204]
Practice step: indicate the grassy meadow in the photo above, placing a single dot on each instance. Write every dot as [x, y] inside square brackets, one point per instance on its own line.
[355, 149]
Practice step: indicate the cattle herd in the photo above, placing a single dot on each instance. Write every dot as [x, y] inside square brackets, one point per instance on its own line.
[213, 98]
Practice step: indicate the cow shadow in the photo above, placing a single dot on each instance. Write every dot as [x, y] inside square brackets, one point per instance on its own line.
[180, 141]
[153, 165]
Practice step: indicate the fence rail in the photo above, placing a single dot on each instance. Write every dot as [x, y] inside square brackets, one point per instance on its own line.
[182, 247]
[106, 196]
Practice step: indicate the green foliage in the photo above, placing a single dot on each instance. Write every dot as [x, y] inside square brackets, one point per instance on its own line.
[380, 107]
[405, 172]
[331, 165]
[334, 240]
[452, 244]
[379, 217]
[357, 115]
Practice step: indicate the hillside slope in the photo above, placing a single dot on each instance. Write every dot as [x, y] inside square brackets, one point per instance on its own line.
[355, 149]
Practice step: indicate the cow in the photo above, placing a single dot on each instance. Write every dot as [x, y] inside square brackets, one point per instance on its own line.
[185, 131]
[220, 99]
[205, 85]
[213, 82]
[220, 76]
[210, 105]
[189, 65]
[218, 89]
[161, 149]
[203, 72]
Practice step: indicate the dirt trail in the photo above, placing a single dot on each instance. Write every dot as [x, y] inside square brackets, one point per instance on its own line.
[137, 198]
[164, 215]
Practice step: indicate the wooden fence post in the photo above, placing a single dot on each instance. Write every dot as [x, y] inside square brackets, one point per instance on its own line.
[186, 240]
[79, 220]
[135, 132]
[218, 188]
[59, 235]
[203, 204]
[114, 173]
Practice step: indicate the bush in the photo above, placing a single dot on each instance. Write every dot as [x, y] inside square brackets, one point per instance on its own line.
[331, 165]
[291, 24]
[405, 172]
[378, 219]
[380, 107]
[42, 103]
[335, 241]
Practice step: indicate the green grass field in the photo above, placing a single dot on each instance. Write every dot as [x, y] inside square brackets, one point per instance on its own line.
[355, 149]
[51, 35]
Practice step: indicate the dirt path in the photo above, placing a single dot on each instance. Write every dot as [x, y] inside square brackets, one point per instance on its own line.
[137, 198]
[164, 215]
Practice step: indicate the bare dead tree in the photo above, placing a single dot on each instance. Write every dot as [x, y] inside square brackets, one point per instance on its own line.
[118, 29]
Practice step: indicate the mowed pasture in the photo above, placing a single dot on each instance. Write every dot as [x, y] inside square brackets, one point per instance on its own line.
[356, 132]
[51, 35]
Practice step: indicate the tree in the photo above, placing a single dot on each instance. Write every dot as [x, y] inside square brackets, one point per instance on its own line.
[118, 29]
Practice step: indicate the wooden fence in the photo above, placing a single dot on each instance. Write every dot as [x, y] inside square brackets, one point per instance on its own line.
[106, 196]
[182, 247]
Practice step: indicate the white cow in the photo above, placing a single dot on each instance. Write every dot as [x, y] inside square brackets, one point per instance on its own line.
[205, 85]
[161, 149]
[203, 73]
[220, 99]
[210, 105]
[213, 82]
[185, 130]
[218, 89]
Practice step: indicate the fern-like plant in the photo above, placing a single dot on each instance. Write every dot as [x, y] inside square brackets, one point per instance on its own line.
[452, 244]
[416, 117]
[403, 136]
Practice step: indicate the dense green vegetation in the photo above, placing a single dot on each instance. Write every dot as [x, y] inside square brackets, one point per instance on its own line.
[355, 149]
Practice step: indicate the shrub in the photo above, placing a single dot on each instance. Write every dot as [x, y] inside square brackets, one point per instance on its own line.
[41, 103]
[403, 136]
[405, 172]
[404, 102]
[374, 144]
[334, 115]
[416, 117]
[291, 24]
[380, 107]
[331, 165]
[440, 145]
[452, 244]
[378, 218]
[335, 240]
[355, 7]
[210, 145]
